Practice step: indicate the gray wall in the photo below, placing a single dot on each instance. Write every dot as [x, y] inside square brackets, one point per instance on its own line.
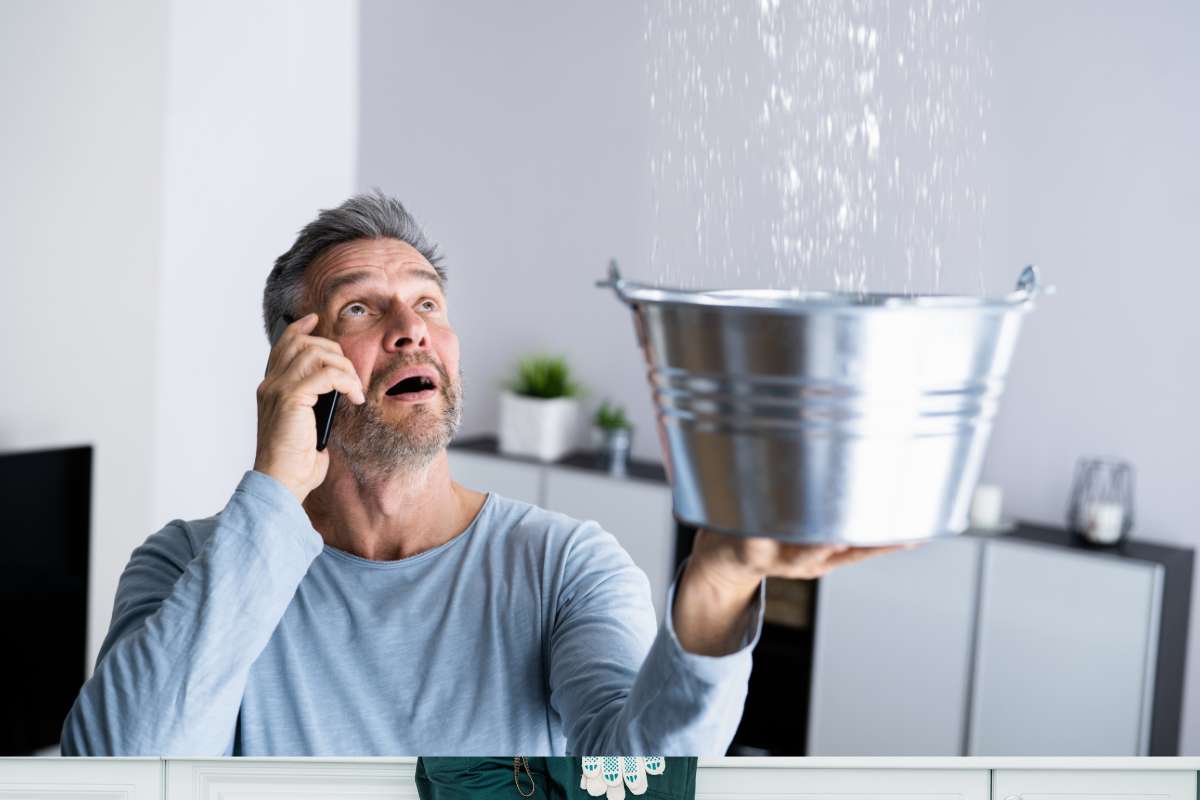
[516, 133]
[1096, 177]
[520, 135]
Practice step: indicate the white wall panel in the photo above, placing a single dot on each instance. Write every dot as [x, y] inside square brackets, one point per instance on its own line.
[1047, 784]
[250, 779]
[81, 779]
[1064, 664]
[730, 782]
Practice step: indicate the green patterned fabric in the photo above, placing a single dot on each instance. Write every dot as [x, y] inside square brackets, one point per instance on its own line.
[556, 778]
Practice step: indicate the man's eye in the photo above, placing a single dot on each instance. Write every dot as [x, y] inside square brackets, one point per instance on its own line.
[429, 305]
[354, 306]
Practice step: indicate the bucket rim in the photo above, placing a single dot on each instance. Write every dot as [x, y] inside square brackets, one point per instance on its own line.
[796, 301]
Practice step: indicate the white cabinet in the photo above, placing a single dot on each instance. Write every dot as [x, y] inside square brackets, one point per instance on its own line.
[990, 647]
[510, 477]
[1045, 784]
[249, 779]
[80, 779]
[1065, 661]
[638, 513]
[728, 781]
[891, 659]
[716, 779]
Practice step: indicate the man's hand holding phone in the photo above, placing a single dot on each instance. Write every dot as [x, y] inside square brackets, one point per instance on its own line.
[300, 368]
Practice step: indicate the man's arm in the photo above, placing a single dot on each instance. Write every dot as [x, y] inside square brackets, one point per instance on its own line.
[620, 687]
[187, 626]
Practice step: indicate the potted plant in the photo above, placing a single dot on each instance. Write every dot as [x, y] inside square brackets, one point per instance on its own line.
[539, 412]
[615, 436]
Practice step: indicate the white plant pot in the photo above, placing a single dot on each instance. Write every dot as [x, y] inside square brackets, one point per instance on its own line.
[541, 429]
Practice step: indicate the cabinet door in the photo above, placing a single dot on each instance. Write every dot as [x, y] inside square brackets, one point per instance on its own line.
[249, 779]
[81, 778]
[505, 476]
[727, 781]
[1147, 784]
[892, 653]
[1065, 655]
[638, 513]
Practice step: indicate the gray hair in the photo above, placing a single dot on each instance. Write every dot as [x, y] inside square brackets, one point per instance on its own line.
[364, 216]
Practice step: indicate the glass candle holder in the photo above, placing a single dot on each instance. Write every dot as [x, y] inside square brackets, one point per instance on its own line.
[1101, 507]
[613, 446]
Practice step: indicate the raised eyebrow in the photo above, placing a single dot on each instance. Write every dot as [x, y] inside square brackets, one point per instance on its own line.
[342, 281]
[430, 276]
[360, 277]
[432, 298]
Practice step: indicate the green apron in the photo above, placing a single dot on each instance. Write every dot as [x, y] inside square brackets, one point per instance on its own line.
[556, 778]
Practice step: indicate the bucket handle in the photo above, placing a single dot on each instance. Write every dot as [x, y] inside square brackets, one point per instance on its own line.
[1029, 284]
[614, 281]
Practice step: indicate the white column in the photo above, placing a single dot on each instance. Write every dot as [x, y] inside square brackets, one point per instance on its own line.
[261, 132]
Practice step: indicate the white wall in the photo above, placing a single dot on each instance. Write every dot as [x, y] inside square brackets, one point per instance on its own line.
[157, 159]
[80, 218]
[520, 135]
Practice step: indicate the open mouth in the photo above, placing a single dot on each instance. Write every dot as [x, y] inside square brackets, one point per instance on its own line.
[413, 385]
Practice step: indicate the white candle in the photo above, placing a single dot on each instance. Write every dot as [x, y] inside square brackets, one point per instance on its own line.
[1104, 522]
[985, 506]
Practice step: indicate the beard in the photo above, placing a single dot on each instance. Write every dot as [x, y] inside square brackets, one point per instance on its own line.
[376, 446]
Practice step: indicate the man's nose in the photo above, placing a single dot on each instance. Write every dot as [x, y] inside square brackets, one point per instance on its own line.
[408, 331]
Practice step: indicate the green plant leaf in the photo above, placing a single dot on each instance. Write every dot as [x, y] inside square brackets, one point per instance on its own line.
[611, 417]
[547, 377]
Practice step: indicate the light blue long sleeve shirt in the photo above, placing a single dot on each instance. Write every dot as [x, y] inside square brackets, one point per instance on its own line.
[529, 633]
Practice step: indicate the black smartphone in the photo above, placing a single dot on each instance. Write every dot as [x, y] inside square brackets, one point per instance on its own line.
[326, 403]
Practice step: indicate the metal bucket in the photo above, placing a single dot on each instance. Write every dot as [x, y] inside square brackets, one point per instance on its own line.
[825, 417]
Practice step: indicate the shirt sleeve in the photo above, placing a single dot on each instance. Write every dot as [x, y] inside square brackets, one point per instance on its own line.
[621, 687]
[189, 620]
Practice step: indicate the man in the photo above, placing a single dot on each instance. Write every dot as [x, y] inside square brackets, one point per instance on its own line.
[357, 601]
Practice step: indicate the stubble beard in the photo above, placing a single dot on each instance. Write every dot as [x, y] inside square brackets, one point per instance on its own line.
[377, 448]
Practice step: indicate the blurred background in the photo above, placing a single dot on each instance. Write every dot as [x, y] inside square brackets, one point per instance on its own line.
[157, 156]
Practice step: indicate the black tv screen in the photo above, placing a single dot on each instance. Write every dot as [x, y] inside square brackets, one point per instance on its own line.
[45, 516]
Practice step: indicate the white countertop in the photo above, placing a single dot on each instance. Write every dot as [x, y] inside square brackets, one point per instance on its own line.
[1185, 763]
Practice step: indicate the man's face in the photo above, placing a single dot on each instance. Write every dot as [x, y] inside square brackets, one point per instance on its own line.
[382, 301]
